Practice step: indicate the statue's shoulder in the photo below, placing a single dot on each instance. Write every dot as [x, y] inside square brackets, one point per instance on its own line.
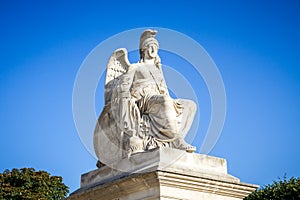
[134, 67]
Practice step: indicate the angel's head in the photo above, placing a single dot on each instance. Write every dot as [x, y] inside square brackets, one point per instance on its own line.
[149, 47]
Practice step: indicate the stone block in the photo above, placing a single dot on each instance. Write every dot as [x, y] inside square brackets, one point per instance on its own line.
[163, 174]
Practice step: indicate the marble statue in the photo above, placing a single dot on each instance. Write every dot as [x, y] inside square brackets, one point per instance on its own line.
[139, 115]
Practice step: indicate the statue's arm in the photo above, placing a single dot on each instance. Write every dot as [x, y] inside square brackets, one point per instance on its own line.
[163, 87]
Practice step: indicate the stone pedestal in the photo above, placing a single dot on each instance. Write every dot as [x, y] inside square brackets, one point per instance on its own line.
[163, 174]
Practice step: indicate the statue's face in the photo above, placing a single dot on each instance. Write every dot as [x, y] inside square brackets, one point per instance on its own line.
[151, 51]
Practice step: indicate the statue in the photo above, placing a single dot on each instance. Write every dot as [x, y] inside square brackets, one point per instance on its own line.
[139, 115]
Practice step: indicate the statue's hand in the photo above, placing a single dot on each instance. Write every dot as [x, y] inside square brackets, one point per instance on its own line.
[163, 91]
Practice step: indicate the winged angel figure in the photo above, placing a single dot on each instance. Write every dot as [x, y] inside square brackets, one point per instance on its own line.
[139, 114]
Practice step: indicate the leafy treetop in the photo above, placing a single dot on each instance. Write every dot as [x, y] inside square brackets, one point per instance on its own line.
[26, 183]
[278, 190]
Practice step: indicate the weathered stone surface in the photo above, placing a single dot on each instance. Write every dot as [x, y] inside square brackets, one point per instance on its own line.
[173, 174]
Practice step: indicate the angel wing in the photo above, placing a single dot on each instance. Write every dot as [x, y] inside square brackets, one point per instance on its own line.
[117, 65]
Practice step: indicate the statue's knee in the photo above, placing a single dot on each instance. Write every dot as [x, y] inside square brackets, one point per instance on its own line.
[189, 104]
[193, 105]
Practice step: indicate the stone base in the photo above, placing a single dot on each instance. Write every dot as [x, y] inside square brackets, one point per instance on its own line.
[163, 174]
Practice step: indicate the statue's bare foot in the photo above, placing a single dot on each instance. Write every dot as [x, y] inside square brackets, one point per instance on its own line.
[190, 149]
[183, 145]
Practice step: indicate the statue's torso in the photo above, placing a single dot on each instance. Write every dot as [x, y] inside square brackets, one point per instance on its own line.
[147, 80]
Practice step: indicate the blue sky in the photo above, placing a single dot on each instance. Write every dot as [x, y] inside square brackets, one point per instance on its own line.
[255, 45]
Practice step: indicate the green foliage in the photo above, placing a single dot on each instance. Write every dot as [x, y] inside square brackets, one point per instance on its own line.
[26, 183]
[278, 190]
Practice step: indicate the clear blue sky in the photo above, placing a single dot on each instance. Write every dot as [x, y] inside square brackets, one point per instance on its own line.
[255, 45]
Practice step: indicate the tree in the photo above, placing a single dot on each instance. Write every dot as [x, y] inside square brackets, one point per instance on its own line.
[278, 190]
[26, 183]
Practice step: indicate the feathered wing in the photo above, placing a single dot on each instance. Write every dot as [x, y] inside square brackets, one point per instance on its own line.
[117, 65]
